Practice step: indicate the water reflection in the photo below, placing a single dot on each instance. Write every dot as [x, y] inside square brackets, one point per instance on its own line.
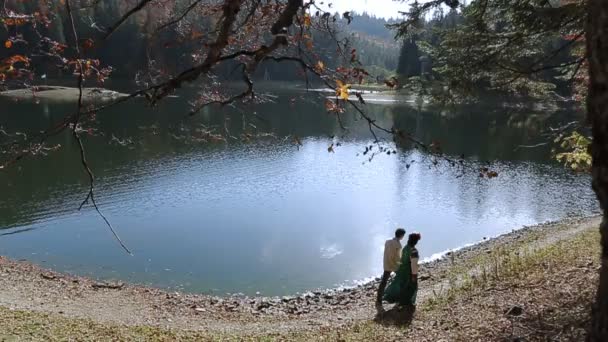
[267, 215]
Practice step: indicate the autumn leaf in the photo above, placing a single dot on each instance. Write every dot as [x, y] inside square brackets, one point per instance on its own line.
[392, 83]
[487, 173]
[88, 43]
[307, 20]
[320, 66]
[297, 141]
[16, 59]
[333, 107]
[196, 34]
[342, 90]
[309, 45]
[353, 56]
[14, 21]
[8, 44]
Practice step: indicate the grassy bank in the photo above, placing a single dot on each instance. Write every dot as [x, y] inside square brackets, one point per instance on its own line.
[513, 288]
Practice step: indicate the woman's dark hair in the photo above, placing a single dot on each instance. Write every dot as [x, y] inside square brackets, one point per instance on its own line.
[399, 233]
[413, 239]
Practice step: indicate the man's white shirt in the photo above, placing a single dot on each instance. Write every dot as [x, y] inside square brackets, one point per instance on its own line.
[392, 255]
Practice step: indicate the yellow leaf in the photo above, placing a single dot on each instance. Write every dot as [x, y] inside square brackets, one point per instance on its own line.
[307, 20]
[342, 90]
[320, 66]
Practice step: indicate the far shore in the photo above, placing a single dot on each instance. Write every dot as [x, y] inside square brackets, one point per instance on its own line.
[30, 288]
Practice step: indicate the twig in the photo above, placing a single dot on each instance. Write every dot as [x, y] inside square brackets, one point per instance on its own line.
[531, 146]
[124, 18]
[247, 92]
[182, 16]
[76, 135]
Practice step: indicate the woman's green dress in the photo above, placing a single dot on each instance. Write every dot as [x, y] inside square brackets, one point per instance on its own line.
[402, 289]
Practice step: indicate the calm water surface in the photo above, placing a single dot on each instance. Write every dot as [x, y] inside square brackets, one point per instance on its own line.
[266, 216]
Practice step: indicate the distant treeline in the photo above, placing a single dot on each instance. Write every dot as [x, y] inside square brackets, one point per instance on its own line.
[137, 45]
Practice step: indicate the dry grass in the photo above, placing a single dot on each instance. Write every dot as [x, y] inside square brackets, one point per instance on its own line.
[553, 285]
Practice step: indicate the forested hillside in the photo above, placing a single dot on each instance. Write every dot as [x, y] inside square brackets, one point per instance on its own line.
[150, 41]
[430, 54]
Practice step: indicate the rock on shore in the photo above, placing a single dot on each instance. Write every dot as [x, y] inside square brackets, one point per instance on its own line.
[62, 94]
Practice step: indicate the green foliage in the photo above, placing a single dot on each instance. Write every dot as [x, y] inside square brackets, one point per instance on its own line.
[575, 152]
[409, 59]
[372, 26]
[522, 47]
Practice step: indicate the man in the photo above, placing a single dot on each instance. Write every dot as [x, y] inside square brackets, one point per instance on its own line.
[392, 259]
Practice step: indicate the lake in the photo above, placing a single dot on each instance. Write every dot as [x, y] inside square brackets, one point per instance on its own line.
[261, 214]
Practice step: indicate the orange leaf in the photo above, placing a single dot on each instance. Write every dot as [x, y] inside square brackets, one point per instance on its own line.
[309, 45]
[8, 44]
[88, 43]
[16, 59]
[195, 34]
[307, 20]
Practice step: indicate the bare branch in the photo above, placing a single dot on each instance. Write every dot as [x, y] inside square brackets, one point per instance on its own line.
[91, 194]
[248, 92]
[191, 7]
[532, 146]
[75, 133]
[126, 16]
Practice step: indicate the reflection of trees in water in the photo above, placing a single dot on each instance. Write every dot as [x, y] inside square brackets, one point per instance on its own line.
[486, 132]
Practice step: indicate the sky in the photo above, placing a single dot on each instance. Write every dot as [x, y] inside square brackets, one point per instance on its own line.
[380, 8]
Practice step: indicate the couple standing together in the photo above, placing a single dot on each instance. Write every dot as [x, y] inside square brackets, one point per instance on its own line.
[404, 262]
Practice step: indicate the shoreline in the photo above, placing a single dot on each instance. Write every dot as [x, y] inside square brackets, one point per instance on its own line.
[427, 264]
[32, 288]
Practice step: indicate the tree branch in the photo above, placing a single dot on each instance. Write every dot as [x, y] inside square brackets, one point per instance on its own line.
[191, 7]
[124, 18]
[75, 133]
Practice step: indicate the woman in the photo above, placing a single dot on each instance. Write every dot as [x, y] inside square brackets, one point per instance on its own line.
[403, 289]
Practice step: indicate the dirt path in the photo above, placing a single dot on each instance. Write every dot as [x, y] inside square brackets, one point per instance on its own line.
[28, 287]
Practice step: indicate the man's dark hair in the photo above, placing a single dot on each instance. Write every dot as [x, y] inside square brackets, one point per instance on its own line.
[399, 233]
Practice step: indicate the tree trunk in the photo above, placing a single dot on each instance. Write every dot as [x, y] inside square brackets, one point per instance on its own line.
[597, 111]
